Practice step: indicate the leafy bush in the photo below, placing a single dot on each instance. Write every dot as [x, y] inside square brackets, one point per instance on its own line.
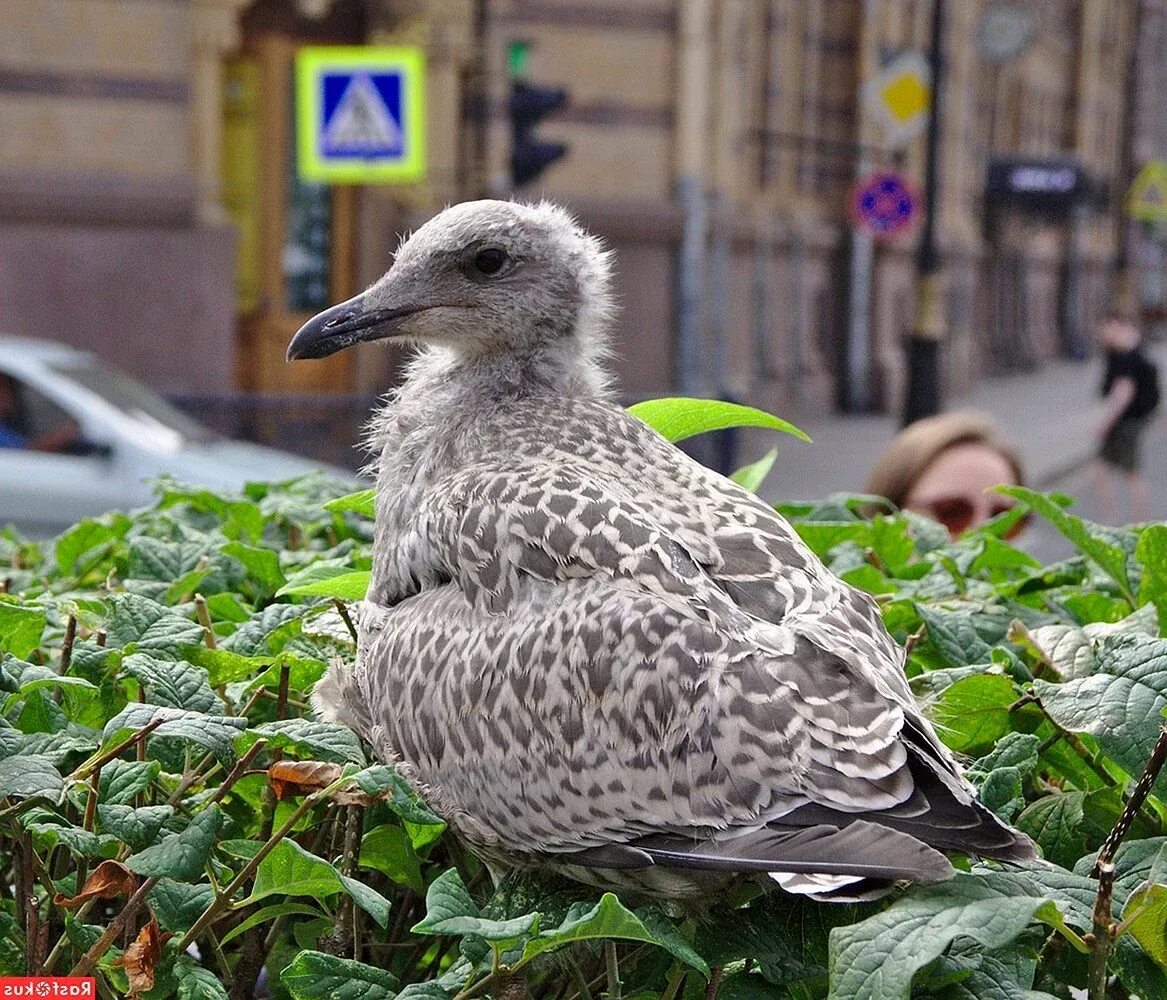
[175, 822]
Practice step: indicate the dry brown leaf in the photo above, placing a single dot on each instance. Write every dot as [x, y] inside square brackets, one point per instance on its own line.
[108, 879]
[299, 777]
[140, 958]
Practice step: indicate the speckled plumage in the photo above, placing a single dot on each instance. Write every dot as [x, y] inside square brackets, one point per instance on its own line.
[590, 652]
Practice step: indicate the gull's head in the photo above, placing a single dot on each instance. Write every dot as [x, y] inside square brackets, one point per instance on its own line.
[481, 277]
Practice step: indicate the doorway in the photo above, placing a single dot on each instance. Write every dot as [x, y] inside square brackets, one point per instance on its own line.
[296, 253]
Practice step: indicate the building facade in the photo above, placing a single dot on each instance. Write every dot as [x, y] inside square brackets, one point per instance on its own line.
[149, 206]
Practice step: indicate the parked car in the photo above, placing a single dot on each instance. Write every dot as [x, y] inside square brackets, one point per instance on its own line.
[78, 439]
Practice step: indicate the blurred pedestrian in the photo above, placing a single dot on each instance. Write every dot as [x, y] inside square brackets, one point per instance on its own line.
[945, 466]
[11, 430]
[1130, 392]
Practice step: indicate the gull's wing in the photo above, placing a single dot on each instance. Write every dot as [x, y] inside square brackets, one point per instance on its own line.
[603, 727]
[621, 692]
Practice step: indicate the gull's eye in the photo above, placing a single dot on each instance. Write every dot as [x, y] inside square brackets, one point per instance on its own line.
[490, 261]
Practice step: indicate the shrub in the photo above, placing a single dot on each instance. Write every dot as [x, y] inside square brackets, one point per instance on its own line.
[175, 822]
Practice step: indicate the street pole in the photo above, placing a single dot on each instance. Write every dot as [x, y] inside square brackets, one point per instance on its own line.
[923, 349]
[857, 387]
[692, 124]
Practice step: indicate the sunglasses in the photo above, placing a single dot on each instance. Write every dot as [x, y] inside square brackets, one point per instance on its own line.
[958, 513]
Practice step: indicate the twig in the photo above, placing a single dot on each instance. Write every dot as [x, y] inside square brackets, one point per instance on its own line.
[1138, 795]
[910, 642]
[31, 911]
[220, 903]
[1104, 930]
[673, 986]
[67, 644]
[116, 926]
[714, 982]
[102, 759]
[87, 823]
[342, 610]
[204, 616]
[282, 691]
[580, 982]
[511, 986]
[612, 967]
[23, 804]
[237, 772]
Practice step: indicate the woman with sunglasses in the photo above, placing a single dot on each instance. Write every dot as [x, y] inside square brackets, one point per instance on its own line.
[945, 466]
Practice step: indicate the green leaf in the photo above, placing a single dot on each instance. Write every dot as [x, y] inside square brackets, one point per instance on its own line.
[324, 741]
[197, 983]
[79, 842]
[75, 547]
[972, 714]
[1134, 864]
[329, 581]
[313, 975]
[608, 918]
[1151, 551]
[223, 666]
[751, 477]
[1091, 539]
[138, 828]
[34, 677]
[173, 683]
[262, 564]
[1070, 648]
[1120, 704]
[955, 634]
[1055, 823]
[267, 631]
[212, 732]
[122, 780]
[677, 418]
[266, 913]
[161, 560]
[289, 870]
[149, 626]
[21, 627]
[180, 856]
[1000, 773]
[823, 536]
[179, 904]
[360, 502]
[388, 849]
[450, 910]
[877, 958]
[23, 777]
[403, 800]
[1146, 910]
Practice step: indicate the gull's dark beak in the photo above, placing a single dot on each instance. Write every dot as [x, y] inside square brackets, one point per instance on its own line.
[344, 325]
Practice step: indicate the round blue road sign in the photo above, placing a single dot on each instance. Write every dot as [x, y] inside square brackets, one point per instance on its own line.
[884, 203]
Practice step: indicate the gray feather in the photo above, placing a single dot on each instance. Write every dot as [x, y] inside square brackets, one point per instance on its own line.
[579, 642]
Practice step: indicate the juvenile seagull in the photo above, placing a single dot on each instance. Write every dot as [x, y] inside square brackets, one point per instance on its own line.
[586, 650]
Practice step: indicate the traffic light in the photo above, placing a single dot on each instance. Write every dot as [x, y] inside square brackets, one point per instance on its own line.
[529, 105]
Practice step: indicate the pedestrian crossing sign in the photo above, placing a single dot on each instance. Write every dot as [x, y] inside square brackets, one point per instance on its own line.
[1147, 198]
[360, 114]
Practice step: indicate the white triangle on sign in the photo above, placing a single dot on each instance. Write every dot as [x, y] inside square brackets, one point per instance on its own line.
[361, 123]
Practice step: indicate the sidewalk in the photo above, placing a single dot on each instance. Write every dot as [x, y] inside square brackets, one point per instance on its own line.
[1047, 414]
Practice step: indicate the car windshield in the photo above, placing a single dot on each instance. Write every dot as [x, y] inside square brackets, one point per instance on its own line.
[136, 401]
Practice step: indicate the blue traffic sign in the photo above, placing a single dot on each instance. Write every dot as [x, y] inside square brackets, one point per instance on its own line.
[360, 114]
[885, 203]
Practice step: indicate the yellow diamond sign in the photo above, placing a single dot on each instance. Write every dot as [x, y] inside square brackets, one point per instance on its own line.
[1147, 198]
[906, 97]
[898, 97]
